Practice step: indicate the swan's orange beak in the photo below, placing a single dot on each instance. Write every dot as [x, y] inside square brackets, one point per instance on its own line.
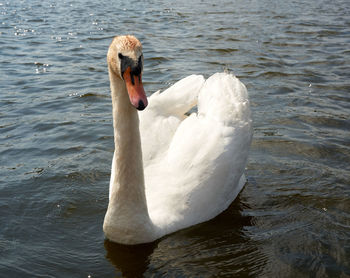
[135, 89]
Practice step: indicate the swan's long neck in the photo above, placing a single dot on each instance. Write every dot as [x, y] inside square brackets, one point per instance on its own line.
[128, 168]
[127, 215]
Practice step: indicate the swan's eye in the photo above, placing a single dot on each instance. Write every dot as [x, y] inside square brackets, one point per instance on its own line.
[121, 56]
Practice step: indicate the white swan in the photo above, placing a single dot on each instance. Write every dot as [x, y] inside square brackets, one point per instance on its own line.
[190, 168]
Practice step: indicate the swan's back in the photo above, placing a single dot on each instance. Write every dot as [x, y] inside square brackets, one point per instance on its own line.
[201, 170]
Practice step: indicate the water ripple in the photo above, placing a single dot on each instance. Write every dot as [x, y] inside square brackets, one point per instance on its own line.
[56, 135]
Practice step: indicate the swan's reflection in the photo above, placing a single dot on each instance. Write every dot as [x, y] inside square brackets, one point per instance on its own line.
[131, 260]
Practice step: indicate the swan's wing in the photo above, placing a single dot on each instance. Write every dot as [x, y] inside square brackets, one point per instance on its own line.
[205, 160]
[164, 113]
[179, 98]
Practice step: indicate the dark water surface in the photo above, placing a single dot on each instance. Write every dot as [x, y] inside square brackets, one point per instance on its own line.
[56, 138]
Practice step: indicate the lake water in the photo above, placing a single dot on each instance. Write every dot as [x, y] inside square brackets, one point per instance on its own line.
[56, 138]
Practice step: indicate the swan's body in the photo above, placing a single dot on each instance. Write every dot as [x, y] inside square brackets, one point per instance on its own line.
[189, 169]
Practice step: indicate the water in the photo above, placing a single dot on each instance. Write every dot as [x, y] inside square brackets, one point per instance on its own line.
[56, 138]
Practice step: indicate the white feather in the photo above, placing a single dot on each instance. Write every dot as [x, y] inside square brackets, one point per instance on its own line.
[193, 165]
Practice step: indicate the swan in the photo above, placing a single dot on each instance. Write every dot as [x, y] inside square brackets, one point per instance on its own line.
[190, 166]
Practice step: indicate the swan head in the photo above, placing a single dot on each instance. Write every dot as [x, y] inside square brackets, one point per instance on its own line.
[125, 61]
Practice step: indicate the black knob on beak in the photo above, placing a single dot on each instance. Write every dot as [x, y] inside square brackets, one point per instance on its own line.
[141, 106]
